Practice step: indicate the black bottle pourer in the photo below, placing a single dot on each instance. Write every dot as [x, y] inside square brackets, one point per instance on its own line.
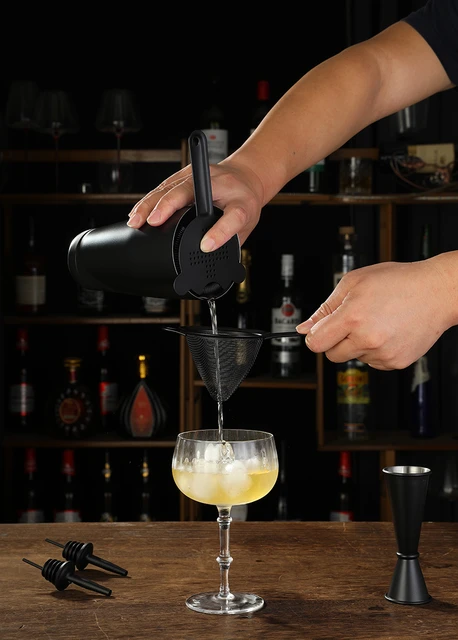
[81, 554]
[61, 574]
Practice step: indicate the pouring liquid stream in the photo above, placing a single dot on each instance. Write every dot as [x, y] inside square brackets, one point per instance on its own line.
[214, 325]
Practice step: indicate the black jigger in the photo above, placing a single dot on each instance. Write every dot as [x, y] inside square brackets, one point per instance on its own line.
[407, 488]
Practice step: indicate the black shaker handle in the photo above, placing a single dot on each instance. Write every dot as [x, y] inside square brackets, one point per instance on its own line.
[198, 151]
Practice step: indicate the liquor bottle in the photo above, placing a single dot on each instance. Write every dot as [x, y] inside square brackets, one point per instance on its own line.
[143, 411]
[245, 310]
[286, 315]
[421, 386]
[31, 504]
[262, 105]
[107, 511]
[22, 389]
[314, 178]
[343, 505]
[346, 259]
[91, 301]
[107, 385]
[67, 508]
[73, 406]
[30, 277]
[146, 513]
[282, 487]
[213, 125]
[353, 399]
[155, 306]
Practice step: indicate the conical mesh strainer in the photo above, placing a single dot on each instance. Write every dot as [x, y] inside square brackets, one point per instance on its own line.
[225, 358]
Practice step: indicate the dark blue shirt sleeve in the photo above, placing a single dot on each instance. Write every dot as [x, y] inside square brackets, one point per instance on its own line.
[437, 22]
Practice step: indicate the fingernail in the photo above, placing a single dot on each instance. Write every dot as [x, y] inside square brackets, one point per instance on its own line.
[207, 244]
[154, 217]
[134, 221]
[305, 326]
[131, 213]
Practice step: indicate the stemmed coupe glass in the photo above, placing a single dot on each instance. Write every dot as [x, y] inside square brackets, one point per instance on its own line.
[237, 469]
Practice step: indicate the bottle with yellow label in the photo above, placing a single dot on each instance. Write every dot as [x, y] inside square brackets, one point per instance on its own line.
[353, 399]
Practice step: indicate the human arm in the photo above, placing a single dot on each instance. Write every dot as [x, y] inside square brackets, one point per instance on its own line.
[387, 314]
[321, 112]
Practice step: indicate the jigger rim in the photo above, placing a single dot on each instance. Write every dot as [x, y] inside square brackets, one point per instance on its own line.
[407, 470]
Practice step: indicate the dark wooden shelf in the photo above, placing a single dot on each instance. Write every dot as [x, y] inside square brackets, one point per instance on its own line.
[280, 199]
[390, 441]
[74, 319]
[267, 382]
[16, 441]
[92, 155]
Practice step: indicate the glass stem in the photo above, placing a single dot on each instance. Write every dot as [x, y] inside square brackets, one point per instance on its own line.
[224, 559]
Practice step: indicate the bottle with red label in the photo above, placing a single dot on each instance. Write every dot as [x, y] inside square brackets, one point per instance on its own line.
[21, 401]
[286, 353]
[31, 504]
[143, 412]
[262, 105]
[343, 505]
[108, 396]
[73, 406]
[67, 507]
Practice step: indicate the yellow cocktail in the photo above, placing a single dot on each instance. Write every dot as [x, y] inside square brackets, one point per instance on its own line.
[225, 468]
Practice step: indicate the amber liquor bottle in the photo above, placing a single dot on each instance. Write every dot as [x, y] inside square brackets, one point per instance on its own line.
[108, 396]
[21, 403]
[67, 508]
[342, 509]
[30, 280]
[31, 504]
[353, 399]
[245, 309]
[107, 512]
[286, 315]
[143, 411]
[73, 406]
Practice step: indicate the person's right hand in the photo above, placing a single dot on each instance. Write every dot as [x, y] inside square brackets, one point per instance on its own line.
[236, 190]
[388, 314]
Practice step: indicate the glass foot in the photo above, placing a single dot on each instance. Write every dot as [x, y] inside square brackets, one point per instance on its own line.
[233, 604]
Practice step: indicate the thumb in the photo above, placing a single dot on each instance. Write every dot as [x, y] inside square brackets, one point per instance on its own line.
[328, 307]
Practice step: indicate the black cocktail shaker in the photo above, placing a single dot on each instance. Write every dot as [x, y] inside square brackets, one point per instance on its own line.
[164, 261]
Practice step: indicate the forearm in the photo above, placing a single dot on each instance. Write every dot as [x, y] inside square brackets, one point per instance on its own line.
[447, 268]
[335, 100]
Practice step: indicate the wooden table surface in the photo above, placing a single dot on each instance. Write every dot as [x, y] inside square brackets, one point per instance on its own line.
[319, 580]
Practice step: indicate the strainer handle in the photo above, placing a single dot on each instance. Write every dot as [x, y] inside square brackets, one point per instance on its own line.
[280, 334]
[198, 151]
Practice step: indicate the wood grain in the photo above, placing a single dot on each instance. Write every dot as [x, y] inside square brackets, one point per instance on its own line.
[323, 581]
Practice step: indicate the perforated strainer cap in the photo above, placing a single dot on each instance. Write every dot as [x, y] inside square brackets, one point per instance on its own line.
[225, 358]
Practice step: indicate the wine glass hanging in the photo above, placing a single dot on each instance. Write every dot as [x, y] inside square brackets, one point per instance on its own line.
[20, 114]
[55, 115]
[117, 114]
